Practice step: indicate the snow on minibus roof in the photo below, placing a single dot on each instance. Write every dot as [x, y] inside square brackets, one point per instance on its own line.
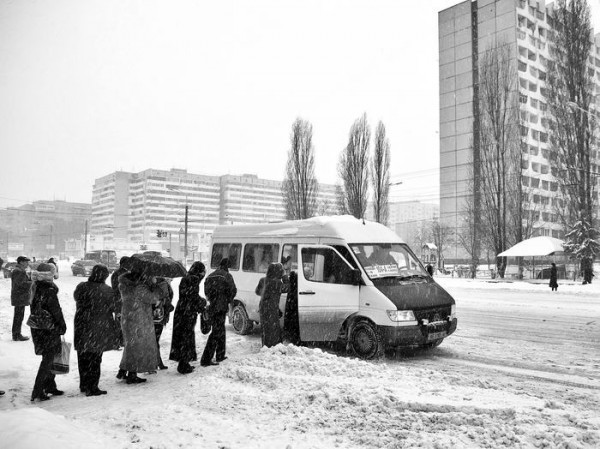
[351, 229]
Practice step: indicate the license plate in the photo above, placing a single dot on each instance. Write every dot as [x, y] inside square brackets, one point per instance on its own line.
[436, 335]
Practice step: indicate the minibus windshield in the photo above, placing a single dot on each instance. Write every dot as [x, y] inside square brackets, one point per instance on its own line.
[387, 260]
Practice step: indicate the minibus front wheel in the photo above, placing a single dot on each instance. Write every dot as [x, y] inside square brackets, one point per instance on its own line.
[240, 321]
[365, 340]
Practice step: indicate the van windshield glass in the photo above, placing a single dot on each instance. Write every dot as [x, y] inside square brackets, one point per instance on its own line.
[387, 260]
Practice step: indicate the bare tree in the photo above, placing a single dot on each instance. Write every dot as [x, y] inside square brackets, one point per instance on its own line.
[470, 233]
[442, 235]
[499, 146]
[573, 125]
[300, 187]
[380, 175]
[353, 168]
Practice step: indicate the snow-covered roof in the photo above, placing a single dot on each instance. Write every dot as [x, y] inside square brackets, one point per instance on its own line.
[536, 246]
[347, 227]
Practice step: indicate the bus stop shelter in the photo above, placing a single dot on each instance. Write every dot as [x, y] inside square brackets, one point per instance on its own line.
[535, 247]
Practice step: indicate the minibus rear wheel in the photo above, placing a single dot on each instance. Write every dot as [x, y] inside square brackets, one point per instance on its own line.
[365, 340]
[240, 321]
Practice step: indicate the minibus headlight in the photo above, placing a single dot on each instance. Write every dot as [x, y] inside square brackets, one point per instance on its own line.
[401, 315]
[453, 311]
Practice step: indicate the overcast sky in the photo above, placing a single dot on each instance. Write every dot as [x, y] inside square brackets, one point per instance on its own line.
[88, 87]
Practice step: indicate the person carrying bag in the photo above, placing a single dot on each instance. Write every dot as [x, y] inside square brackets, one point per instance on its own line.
[60, 364]
[47, 342]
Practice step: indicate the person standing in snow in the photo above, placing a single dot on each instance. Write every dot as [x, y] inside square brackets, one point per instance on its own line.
[53, 262]
[189, 305]
[220, 290]
[161, 311]
[138, 292]
[94, 328]
[291, 325]
[19, 296]
[553, 278]
[46, 342]
[269, 305]
[114, 282]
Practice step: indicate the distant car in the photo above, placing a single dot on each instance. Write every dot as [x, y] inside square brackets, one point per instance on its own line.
[7, 269]
[83, 267]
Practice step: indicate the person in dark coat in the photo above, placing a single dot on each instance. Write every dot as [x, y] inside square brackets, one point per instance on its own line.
[94, 328]
[291, 324]
[46, 342]
[138, 292]
[161, 312]
[553, 278]
[429, 269]
[189, 305]
[220, 290]
[20, 296]
[269, 305]
[114, 282]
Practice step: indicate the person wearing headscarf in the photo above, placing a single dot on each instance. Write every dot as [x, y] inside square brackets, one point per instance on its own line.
[189, 305]
[269, 305]
[138, 292]
[161, 312]
[46, 342]
[94, 328]
[220, 290]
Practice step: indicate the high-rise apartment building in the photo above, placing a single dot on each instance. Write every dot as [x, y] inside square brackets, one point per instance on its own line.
[466, 31]
[129, 208]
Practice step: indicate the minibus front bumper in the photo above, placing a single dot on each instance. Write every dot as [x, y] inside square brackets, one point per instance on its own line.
[417, 335]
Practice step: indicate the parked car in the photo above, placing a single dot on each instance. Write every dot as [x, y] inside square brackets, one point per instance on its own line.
[7, 269]
[83, 267]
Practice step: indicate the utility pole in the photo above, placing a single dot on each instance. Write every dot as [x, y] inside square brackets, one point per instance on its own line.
[85, 239]
[185, 235]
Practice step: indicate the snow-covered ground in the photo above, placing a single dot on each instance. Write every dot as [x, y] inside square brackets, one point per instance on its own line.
[522, 370]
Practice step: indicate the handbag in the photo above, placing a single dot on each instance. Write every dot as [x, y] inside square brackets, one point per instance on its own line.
[205, 325]
[60, 364]
[40, 319]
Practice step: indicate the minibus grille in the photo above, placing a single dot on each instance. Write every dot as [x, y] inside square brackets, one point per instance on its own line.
[433, 314]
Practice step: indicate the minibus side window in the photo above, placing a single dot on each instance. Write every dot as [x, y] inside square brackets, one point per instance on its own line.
[325, 265]
[229, 250]
[291, 250]
[257, 257]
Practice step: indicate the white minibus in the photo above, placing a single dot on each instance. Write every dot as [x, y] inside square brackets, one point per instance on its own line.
[357, 282]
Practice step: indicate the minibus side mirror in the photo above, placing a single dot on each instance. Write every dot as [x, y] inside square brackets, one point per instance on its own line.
[355, 277]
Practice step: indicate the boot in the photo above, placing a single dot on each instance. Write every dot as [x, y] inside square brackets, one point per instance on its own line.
[132, 378]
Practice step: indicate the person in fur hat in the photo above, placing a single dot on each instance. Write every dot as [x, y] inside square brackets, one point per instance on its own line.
[46, 342]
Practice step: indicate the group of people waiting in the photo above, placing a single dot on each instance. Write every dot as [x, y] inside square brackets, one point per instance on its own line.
[132, 313]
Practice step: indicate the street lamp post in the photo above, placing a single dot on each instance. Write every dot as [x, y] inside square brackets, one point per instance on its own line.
[185, 232]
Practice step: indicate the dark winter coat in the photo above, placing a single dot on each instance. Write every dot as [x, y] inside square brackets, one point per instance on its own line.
[114, 282]
[140, 351]
[47, 341]
[269, 305]
[161, 311]
[189, 305]
[94, 323]
[291, 324]
[21, 286]
[223, 293]
[553, 277]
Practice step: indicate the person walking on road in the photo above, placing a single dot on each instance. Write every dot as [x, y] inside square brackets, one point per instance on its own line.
[20, 296]
[189, 305]
[553, 278]
[220, 290]
[94, 328]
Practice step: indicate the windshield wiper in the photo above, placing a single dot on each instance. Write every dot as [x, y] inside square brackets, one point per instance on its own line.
[413, 276]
